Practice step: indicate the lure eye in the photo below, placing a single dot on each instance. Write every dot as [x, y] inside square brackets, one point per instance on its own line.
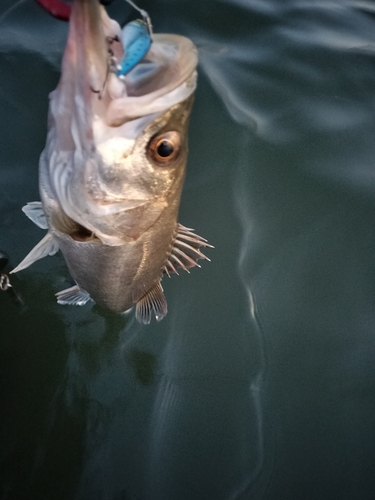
[165, 148]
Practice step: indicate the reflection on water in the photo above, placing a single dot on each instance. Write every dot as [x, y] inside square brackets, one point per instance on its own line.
[260, 381]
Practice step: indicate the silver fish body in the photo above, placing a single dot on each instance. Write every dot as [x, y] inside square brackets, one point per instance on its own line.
[112, 172]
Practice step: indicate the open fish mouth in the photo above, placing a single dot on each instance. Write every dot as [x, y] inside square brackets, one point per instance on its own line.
[163, 77]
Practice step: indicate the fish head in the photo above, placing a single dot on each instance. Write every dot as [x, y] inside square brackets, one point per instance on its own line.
[117, 146]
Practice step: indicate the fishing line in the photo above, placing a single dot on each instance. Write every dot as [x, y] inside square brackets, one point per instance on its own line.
[144, 14]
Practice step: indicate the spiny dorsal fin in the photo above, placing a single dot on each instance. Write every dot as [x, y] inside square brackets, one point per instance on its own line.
[152, 302]
[186, 250]
[34, 211]
[47, 246]
[73, 296]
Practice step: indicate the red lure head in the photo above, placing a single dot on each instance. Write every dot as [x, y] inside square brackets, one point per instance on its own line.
[57, 8]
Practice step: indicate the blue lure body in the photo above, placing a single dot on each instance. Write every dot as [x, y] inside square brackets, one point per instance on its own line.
[136, 41]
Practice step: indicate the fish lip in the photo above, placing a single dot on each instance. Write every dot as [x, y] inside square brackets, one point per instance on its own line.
[88, 29]
[85, 61]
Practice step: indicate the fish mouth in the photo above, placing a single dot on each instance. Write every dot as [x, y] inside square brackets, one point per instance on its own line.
[83, 234]
[64, 224]
[164, 76]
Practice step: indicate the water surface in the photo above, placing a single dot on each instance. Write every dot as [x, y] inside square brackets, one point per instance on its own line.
[260, 382]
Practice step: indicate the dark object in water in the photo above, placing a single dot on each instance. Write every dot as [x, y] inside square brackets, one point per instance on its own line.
[4, 259]
[5, 285]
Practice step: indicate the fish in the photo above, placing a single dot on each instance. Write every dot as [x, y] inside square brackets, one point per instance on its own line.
[113, 168]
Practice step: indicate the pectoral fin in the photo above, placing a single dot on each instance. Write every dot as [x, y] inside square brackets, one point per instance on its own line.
[186, 250]
[73, 296]
[47, 246]
[153, 302]
[34, 211]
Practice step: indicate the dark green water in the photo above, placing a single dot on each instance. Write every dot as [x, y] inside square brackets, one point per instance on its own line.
[260, 382]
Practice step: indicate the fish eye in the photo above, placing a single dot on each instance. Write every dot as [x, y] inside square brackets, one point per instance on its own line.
[164, 148]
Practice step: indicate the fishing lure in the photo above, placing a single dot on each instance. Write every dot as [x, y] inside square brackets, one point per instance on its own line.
[56, 8]
[136, 40]
[136, 36]
[62, 9]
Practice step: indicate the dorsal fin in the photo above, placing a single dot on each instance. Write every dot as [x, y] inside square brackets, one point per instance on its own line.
[73, 296]
[34, 211]
[153, 302]
[186, 250]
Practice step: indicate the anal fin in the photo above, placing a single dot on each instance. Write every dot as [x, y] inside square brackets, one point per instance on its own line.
[47, 246]
[73, 296]
[153, 302]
